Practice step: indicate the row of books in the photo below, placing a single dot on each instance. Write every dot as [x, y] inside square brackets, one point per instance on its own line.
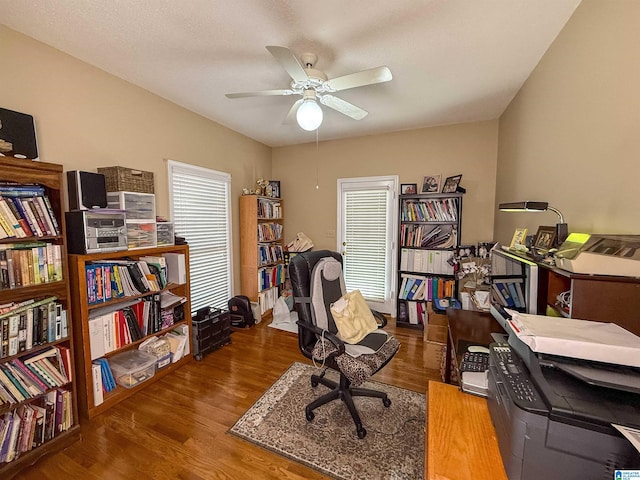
[30, 324]
[508, 293]
[103, 380]
[271, 276]
[33, 424]
[269, 209]
[417, 287]
[33, 375]
[25, 211]
[109, 331]
[31, 263]
[413, 312]
[267, 299]
[436, 210]
[427, 236]
[269, 232]
[270, 254]
[111, 279]
[426, 261]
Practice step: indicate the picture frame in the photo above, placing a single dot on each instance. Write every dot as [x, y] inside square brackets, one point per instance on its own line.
[431, 184]
[275, 188]
[544, 238]
[451, 184]
[519, 239]
[408, 188]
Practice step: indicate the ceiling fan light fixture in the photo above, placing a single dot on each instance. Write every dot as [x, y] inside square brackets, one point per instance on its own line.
[309, 115]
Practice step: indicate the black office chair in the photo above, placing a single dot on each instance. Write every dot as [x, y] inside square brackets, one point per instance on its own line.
[314, 291]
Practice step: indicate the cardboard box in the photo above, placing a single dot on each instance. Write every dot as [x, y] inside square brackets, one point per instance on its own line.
[435, 339]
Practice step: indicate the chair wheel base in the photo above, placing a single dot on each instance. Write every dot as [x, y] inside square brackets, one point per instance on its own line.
[310, 415]
[361, 433]
[386, 402]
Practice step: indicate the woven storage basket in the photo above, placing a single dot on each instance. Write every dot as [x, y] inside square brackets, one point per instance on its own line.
[127, 179]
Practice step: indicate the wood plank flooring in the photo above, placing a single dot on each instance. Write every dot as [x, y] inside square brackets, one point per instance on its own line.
[177, 427]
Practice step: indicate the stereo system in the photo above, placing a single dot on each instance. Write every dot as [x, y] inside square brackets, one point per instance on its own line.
[91, 231]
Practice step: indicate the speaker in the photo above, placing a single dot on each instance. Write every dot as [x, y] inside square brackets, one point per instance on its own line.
[17, 135]
[87, 190]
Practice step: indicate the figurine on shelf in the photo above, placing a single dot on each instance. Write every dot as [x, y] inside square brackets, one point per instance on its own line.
[262, 185]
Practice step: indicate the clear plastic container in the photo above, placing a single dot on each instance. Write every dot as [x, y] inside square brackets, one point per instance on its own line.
[132, 367]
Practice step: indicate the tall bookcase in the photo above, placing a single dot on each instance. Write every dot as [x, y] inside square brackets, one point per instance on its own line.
[82, 308]
[49, 176]
[429, 233]
[262, 267]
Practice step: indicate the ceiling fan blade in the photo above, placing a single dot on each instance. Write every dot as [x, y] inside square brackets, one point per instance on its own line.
[344, 107]
[291, 116]
[289, 62]
[360, 79]
[263, 93]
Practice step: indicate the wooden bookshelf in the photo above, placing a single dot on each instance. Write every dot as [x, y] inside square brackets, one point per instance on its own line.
[420, 216]
[81, 310]
[50, 176]
[258, 212]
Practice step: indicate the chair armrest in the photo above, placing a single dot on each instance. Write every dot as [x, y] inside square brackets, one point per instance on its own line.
[339, 344]
[380, 318]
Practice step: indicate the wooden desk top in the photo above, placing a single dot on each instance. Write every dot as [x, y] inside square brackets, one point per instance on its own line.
[461, 440]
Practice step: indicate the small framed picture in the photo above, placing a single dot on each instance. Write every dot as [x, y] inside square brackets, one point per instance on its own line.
[544, 238]
[431, 184]
[518, 240]
[451, 184]
[275, 188]
[408, 188]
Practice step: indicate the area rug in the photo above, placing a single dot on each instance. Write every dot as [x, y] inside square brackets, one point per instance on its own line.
[392, 449]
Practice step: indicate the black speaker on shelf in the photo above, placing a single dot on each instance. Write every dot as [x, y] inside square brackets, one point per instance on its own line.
[87, 190]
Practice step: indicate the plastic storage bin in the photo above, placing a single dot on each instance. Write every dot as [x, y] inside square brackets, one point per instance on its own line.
[141, 235]
[139, 206]
[132, 367]
[165, 233]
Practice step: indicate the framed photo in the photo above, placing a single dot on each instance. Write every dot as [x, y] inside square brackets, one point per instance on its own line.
[275, 188]
[431, 184]
[451, 184]
[544, 238]
[519, 238]
[408, 188]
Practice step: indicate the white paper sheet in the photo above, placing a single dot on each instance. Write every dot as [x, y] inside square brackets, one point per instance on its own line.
[584, 339]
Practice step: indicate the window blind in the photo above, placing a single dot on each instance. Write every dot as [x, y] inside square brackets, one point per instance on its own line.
[201, 212]
[366, 232]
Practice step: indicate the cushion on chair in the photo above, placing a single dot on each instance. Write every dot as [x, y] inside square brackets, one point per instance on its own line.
[353, 317]
[359, 368]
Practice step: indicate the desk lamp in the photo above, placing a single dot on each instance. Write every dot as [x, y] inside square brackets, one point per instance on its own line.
[562, 229]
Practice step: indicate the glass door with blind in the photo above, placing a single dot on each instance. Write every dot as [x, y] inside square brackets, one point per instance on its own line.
[367, 219]
[201, 211]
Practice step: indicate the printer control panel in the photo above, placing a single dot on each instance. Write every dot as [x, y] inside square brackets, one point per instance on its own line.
[514, 377]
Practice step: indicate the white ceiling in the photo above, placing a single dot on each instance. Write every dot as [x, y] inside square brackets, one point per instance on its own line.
[453, 61]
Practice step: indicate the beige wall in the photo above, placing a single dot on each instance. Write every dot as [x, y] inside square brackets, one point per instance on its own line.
[572, 134]
[469, 149]
[86, 118]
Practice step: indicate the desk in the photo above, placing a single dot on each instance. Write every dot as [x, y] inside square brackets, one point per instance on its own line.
[461, 440]
[472, 327]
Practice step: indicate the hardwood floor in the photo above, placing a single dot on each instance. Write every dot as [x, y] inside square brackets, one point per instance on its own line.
[177, 427]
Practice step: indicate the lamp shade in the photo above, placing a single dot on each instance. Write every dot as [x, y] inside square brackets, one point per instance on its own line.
[309, 115]
[524, 207]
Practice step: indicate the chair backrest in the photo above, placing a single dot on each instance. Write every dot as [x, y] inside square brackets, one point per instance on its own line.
[313, 296]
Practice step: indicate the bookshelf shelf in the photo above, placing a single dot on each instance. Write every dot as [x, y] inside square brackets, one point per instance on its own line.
[429, 231]
[28, 174]
[261, 249]
[82, 309]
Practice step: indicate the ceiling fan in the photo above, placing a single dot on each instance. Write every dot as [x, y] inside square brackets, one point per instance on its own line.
[313, 85]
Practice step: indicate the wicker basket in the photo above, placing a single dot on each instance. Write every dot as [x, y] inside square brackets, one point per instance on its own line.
[127, 179]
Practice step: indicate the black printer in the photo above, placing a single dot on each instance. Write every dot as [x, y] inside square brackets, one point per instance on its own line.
[553, 415]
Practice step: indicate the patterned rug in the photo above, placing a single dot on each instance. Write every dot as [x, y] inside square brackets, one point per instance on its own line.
[392, 449]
